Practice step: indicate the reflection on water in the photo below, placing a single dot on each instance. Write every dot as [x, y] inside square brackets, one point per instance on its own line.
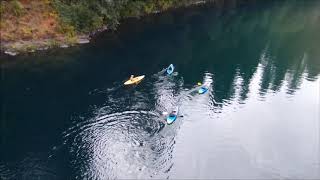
[65, 114]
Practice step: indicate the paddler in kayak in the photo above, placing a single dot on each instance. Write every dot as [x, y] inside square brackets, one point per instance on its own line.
[203, 89]
[134, 80]
[172, 116]
[170, 69]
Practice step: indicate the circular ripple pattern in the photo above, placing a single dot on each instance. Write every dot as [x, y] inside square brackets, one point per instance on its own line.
[133, 143]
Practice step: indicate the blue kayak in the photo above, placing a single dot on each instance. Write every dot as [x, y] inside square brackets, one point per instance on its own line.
[170, 69]
[172, 116]
[203, 90]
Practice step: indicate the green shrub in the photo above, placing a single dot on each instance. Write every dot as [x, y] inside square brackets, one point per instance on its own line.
[2, 8]
[71, 40]
[17, 7]
[30, 47]
[67, 29]
[165, 4]
[133, 9]
[53, 43]
[149, 7]
[88, 15]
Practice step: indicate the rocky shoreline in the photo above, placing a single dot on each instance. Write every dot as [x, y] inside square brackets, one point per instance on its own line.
[14, 48]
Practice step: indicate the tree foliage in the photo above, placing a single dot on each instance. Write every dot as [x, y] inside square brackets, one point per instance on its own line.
[86, 16]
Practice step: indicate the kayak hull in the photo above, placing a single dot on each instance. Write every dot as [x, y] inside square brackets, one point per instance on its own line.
[170, 69]
[170, 120]
[202, 90]
[134, 80]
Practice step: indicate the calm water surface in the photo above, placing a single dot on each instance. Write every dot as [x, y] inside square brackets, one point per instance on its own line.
[66, 115]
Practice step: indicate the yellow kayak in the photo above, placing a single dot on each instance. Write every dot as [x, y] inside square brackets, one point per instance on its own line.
[134, 80]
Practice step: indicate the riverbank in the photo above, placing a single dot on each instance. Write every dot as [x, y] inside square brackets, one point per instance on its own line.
[29, 26]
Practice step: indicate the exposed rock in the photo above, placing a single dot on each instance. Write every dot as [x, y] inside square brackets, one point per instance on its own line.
[11, 53]
[64, 46]
[83, 40]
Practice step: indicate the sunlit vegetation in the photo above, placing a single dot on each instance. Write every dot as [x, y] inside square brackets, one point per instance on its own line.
[24, 20]
[63, 20]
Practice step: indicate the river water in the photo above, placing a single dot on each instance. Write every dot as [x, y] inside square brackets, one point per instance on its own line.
[66, 115]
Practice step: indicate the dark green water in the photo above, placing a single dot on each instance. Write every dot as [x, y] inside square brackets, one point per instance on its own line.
[66, 115]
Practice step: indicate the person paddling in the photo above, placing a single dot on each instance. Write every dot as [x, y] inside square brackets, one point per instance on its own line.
[134, 80]
[173, 113]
